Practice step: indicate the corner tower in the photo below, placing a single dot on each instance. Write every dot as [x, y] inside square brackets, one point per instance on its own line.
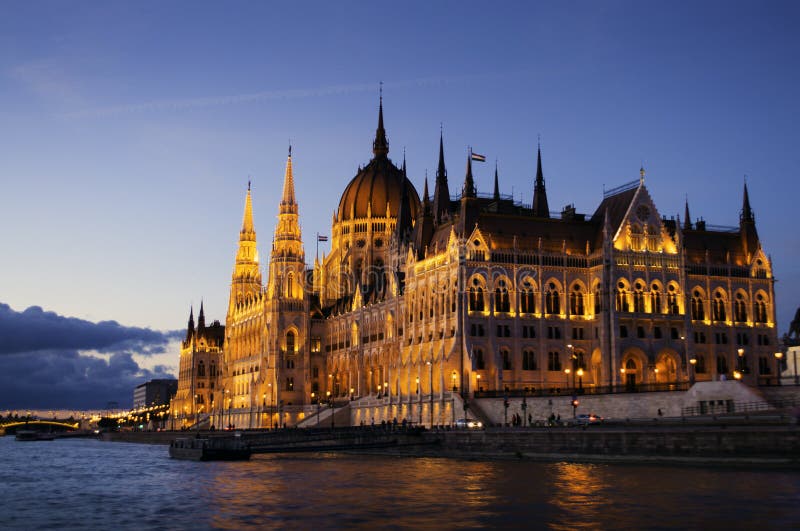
[246, 280]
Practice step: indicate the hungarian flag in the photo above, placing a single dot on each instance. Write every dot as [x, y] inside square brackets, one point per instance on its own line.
[479, 158]
[322, 238]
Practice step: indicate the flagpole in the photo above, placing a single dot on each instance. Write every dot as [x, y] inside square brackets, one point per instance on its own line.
[318, 247]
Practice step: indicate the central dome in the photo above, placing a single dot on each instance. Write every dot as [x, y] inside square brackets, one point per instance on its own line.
[379, 184]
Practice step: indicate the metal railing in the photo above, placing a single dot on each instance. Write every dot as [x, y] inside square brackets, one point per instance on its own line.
[579, 391]
[740, 407]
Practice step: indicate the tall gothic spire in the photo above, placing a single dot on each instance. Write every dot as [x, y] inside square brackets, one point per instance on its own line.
[246, 279]
[469, 183]
[746, 214]
[426, 201]
[441, 193]
[190, 327]
[496, 184]
[540, 207]
[201, 318]
[288, 204]
[687, 221]
[380, 147]
[248, 232]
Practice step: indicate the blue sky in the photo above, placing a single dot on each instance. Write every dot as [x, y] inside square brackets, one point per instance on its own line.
[129, 130]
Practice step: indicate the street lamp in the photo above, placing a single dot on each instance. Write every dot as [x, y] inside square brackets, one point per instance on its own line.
[580, 379]
[430, 365]
[271, 402]
[420, 402]
[741, 361]
[778, 356]
[566, 372]
[453, 378]
[379, 392]
[330, 403]
[692, 363]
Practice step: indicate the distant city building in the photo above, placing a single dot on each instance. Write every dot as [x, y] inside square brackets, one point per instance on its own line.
[200, 360]
[423, 304]
[154, 393]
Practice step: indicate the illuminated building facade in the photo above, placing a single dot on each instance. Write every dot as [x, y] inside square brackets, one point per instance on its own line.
[198, 372]
[422, 303]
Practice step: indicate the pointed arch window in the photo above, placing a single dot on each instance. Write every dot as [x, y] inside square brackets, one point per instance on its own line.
[598, 300]
[502, 302]
[718, 307]
[722, 365]
[621, 298]
[552, 300]
[740, 309]
[576, 306]
[528, 360]
[290, 341]
[698, 308]
[638, 297]
[527, 298]
[289, 285]
[761, 309]
[655, 298]
[476, 296]
[506, 355]
[672, 300]
[201, 369]
[479, 362]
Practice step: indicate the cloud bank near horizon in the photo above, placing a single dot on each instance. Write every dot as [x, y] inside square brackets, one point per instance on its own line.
[47, 361]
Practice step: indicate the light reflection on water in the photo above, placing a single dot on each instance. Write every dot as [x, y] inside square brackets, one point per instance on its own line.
[83, 484]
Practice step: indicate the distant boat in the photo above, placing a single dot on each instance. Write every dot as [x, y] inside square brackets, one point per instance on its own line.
[29, 435]
[209, 449]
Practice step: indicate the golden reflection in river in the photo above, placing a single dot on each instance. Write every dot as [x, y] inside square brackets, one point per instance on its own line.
[420, 493]
[579, 491]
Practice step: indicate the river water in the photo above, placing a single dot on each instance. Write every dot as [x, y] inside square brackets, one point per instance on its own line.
[88, 484]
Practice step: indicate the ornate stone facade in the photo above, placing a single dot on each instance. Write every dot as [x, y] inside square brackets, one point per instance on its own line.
[423, 304]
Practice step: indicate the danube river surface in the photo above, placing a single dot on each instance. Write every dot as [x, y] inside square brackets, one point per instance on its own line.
[80, 484]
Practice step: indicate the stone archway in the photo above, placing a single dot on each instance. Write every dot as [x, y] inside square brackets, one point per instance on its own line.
[634, 364]
[667, 367]
[596, 367]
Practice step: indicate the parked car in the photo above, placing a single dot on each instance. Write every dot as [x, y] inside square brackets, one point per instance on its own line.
[591, 418]
[470, 424]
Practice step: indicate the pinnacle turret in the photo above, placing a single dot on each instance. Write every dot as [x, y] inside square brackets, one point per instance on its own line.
[540, 207]
[201, 319]
[746, 214]
[190, 327]
[469, 183]
[380, 147]
[288, 203]
[441, 193]
[496, 195]
[687, 221]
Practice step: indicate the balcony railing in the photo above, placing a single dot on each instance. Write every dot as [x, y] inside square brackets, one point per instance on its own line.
[580, 391]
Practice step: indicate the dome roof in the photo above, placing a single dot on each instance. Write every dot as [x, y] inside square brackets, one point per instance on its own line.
[379, 183]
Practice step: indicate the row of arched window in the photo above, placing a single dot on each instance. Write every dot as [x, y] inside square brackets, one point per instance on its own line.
[719, 306]
[529, 360]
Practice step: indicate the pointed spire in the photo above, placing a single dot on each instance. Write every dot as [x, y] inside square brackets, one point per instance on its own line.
[641, 174]
[496, 184]
[288, 199]
[190, 327]
[426, 201]
[746, 214]
[248, 232]
[380, 147]
[469, 183]
[404, 221]
[540, 207]
[687, 220]
[201, 318]
[441, 192]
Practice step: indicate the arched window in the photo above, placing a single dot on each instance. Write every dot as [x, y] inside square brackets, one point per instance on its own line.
[700, 365]
[527, 298]
[698, 308]
[621, 298]
[740, 309]
[761, 308]
[289, 285]
[528, 360]
[718, 307]
[722, 365]
[637, 240]
[476, 296]
[576, 301]
[501, 300]
[638, 297]
[290, 341]
[598, 300]
[201, 369]
[672, 300]
[655, 298]
[552, 300]
[506, 355]
[479, 362]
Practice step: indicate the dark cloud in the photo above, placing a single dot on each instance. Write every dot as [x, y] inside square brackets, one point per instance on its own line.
[42, 364]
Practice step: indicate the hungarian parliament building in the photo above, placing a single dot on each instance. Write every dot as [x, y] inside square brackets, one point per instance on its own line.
[432, 303]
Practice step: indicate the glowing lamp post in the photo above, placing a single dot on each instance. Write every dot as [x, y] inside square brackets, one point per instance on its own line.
[778, 356]
[692, 363]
